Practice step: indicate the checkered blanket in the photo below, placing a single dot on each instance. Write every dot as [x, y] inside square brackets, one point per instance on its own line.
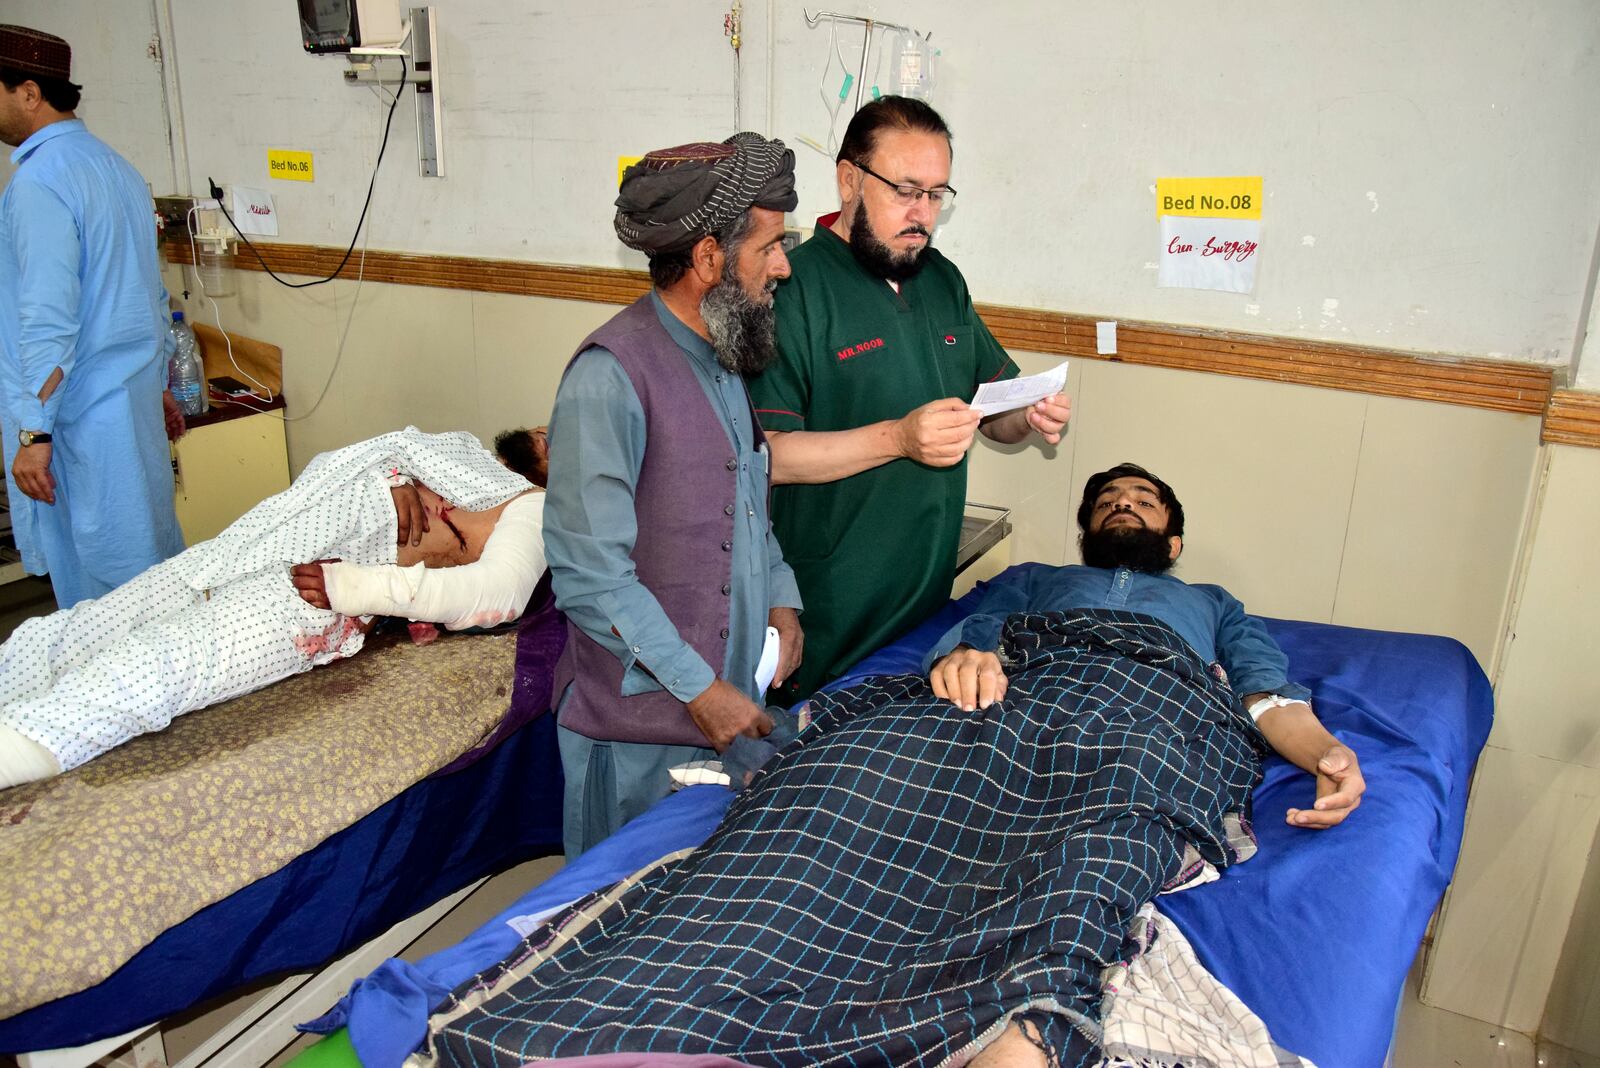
[906, 876]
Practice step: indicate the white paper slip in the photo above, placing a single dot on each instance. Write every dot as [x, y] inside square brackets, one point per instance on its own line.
[1105, 338]
[996, 397]
[768, 665]
[253, 211]
[526, 925]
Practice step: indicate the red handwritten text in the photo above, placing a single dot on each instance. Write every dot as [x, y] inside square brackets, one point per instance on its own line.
[1229, 250]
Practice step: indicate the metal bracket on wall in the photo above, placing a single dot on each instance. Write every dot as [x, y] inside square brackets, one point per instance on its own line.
[421, 51]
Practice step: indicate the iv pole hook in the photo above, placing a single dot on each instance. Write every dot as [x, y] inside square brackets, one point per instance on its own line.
[866, 39]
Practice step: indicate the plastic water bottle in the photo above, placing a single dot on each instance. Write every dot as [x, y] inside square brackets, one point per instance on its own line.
[186, 375]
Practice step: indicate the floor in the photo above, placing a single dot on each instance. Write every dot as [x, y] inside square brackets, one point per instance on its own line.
[195, 1026]
[1426, 1037]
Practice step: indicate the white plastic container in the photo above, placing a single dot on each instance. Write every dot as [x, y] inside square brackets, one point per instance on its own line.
[215, 267]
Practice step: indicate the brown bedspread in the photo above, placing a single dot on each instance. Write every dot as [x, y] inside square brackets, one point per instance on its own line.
[94, 864]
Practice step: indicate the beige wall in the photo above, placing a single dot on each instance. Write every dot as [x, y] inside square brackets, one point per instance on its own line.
[1535, 807]
[1572, 1015]
[1306, 503]
[440, 359]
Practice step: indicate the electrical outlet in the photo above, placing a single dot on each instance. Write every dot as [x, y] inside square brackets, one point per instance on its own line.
[174, 212]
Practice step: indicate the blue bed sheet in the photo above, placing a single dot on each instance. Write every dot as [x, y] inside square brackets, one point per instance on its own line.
[1315, 934]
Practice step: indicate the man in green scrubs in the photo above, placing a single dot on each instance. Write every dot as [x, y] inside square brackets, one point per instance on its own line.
[867, 406]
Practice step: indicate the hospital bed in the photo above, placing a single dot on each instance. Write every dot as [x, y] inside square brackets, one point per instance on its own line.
[1315, 934]
[269, 835]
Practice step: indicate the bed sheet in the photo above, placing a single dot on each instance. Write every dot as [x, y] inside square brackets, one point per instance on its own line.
[1315, 934]
[491, 807]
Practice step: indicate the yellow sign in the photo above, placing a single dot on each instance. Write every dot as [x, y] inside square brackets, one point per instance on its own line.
[290, 166]
[623, 163]
[1209, 198]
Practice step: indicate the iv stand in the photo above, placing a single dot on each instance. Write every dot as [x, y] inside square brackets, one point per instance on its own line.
[866, 38]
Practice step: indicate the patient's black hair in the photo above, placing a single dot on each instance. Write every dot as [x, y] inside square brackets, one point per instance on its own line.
[516, 451]
[1096, 483]
[57, 92]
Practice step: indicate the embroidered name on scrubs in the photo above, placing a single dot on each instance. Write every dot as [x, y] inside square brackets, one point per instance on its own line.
[857, 350]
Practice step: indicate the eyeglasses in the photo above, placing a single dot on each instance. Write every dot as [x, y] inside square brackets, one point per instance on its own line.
[939, 197]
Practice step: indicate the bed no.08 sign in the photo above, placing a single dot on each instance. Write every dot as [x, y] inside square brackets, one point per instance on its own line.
[1210, 232]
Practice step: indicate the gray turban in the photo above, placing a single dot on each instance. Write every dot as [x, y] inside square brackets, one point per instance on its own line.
[675, 196]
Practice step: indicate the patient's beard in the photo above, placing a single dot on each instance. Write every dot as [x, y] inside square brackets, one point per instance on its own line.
[1137, 549]
[743, 331]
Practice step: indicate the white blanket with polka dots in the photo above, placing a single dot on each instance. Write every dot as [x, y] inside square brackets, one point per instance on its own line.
[223, 618]
[340, 505]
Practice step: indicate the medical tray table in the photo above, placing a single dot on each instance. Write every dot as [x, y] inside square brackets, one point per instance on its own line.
[982, 528]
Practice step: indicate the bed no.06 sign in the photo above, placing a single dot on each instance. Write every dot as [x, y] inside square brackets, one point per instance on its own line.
[1210, 232]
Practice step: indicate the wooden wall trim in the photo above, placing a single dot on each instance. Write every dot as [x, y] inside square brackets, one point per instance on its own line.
[1573, 419]
[1475, 383]
[1493, 384]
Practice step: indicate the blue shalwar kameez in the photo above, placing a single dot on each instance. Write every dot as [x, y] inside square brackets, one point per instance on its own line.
[80, 289]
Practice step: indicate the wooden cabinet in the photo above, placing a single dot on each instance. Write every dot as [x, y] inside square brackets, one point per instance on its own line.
[231, 459]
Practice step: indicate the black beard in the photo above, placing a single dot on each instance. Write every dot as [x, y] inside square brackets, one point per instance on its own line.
[877, 258]
[743, 331]
[1137, 549]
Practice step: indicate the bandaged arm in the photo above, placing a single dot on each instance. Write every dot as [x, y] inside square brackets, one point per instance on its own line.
[493, 590]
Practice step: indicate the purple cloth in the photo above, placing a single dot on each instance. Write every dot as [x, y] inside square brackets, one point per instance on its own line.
[541, 635]
[683, 504]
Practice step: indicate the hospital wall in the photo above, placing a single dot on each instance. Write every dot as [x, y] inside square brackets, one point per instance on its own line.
[1430, 174]
[1429, 168]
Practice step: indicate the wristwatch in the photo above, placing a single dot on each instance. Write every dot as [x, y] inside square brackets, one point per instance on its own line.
[33, 437]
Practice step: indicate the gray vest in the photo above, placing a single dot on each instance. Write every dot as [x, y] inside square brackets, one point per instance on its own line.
[684, 506]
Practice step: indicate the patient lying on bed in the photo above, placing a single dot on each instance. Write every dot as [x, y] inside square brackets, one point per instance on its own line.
[425, 526]
[940, 869]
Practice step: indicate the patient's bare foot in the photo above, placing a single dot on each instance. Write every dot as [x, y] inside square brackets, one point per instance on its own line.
[1011, 1050]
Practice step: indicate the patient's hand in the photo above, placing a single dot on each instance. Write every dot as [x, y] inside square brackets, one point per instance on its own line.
[723, 712]
[1339, 789]
[312, 584]
[968, 678]
[412, 518]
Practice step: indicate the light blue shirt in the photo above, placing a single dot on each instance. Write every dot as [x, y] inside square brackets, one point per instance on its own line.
[594, 577]
[1209, 618]
[80, 289]
[58, 305]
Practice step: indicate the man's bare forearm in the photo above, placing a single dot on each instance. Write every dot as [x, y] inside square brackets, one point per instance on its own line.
[811, 456]
[50, 385]
[1294, 731]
